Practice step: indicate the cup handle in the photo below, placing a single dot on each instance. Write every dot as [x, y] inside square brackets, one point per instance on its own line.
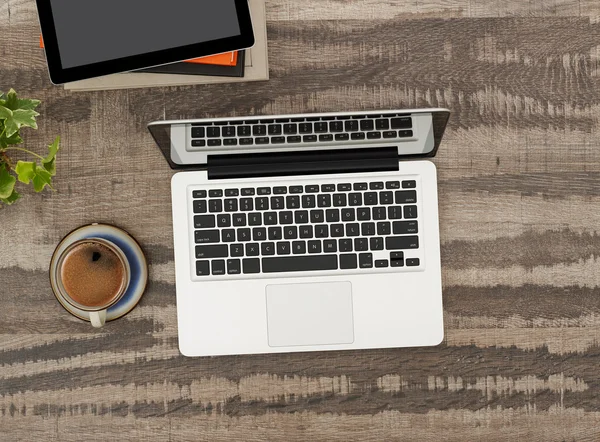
[98, 318]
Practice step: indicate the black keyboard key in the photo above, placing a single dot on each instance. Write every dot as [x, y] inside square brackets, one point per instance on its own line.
[202, 268]
[306, 231]
[259, 234]
[373, 135]
[340, 199]
[405, 227]
[376, 243]
[379, 213]
[267, 248]
[352, 229]
[212, 251]
[221, 123]
[322, 231]
[246, 204]
[314, 246]
[392, 185]
[244, 235]
[312, 188]
[324, 200]
[410, 184]
[301, 216]
[308, 201]
[255, 218]
[236, 250]
[207, 236]
[336, 126]
[252, 249]
[199, 194]
[213, 132]
[277, 140]
[290, 232]
[215, 193]
[363, 214]
[351, 126]
[360, 186]
[244, 131]
[218, 267]
[224, 220]
[337, 230]
[405, 133]
[199, 206]
[215, 206]
[277, 203]
[370, 198]
[345, 245]
[290, 129]
[198, 143]
[234, 267]
[357, 136]
[292, 202]
[251, 265]
[321, 127]
[361, 244]
[345, 187]
[229, 131]
[275, 129]
[367, 229]
[262, 203]
[348, 215]
[367, 125]
[317, 216]
[365, 260]
[259, 130]
[249, 191]
[275, 233]
[328, 188]
[296, 189]
[386, 198]
[384, 228]
[377, 185]
[299, 263]
[286, 217]
[406, 196]
[325, 138]
[309, 138]
[410, 212]
[262, 140]
[198, 132]
[355, 199]
[213, 143]
[382, 124]
[231, 205]
[267, 121]
[330, 246]
[401, 242]
[412, 262]
[239, 219]
[279, 190]
[381, 263]
[228, 235]
[342, 137]
[305, 128]
[204, 221]
[390, 134]
[394, 256]
[401, 123]
[299, 247]
[332, 215]
[246, 141]
[348, 261]
[232, 192]
[394, 212]
[294, 139]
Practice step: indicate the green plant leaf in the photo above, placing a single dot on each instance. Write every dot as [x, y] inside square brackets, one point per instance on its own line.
[49, 163]
[11, 199]
[7, 182]
[5, 113]
[14, 139]
[14, 103]
[41, 179]
[25, 171]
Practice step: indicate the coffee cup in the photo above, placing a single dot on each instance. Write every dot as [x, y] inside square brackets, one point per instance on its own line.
[92, 275]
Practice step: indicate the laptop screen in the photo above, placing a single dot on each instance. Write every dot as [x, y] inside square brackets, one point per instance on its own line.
[101, 30]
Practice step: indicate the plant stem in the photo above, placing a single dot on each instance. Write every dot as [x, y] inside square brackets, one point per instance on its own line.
[26, 151]
[3, 132]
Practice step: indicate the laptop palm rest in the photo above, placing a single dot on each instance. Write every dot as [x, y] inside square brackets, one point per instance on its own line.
[310, 314]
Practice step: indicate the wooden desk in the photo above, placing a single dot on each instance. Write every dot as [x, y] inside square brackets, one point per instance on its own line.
[519, 174]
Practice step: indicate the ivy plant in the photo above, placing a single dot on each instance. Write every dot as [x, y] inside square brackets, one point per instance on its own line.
[15, 114]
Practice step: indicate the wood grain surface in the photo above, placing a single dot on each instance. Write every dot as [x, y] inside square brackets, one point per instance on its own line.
[519, 173]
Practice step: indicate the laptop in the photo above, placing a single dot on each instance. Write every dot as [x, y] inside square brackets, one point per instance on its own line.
[307, 232]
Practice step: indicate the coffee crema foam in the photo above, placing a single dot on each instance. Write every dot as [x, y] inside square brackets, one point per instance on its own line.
[92, 275]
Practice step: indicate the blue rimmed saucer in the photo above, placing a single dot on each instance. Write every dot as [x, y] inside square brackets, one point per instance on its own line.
[135, 257]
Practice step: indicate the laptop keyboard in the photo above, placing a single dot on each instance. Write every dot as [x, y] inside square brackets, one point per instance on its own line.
[322, 130]
[304, 227]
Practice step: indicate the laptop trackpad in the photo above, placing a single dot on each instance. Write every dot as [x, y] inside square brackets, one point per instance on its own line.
[310, 314]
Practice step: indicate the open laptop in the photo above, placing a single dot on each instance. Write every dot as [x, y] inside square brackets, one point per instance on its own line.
[306, 232]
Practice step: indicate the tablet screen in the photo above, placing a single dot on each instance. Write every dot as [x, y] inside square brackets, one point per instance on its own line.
[92, 31]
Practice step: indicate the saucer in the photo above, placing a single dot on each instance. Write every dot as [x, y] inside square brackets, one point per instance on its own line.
[135, 257]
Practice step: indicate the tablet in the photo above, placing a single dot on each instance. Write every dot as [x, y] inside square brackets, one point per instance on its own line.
[90, 38]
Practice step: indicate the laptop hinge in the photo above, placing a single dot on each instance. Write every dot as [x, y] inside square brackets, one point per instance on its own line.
[302, 163]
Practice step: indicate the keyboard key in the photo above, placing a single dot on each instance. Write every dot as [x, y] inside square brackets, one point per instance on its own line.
[214, 143]
[332, 215]
[337, 230]
[348, 215]
[355, 199]
[411, 184]
[382, 124]
[370, 198]
[402, 123]
[321, 127]
[361, 244]
[243, 235]
[345, 187]
[367, 229]
[377, 185]
[246, 141]
[360, 186]
[308, 201]
[301, 216]
[352, 229]
[262, 203]
[351, 126]
[410, 212]
[392, 185]
[259, 234]
[290, 129]
[249, 191]
[296, 189]
[305, 128]
[229, 131]
[239, 219]
[277, 203]
[336, 126]
[283, 248]
[381, 263]
[244, 131]
[290, 232]
[251, 265]
[299, 247]
[275, 129]
[390, 134]
[286, 217]
[204, 221]
[215, 193]
[328, 188]
[199, 194]
[275, 233]
[405, 133]
[228, 235]
[357, 136]
[306, 231]
[386, 198]
[259, 130]
[277, 140]
[218, 267]
[262, 140]
[252, 249]
[231, 205]
[224, 220]
[198, 143]
[198, 132]
[401, 242]
[246, 204]
[199, 206]
[345, 245]
[212, 251]
[215, 206]
[236, 250]
[267, 121]
[367, 125]
[292, 202]
[412, 262]
[340, 199]
[348, 261]
[365, 260]
[330, 246]
[376, 243]
[379, 213]
[314, 246]
[324, 200]
[299, 263]
[294, 139]
[363, 214]
[234, 267]
[321, 231]
[232, 192]
[406, 196]
[213, 132]
[405, 227]
[298, 120]
[384, 228]
[207, 236]
[313, 188]
[280, 190]
[267, 248]
[395, 212]
[325, 138]
[373, 135]
[342, 137]
[317, 216]
[255, 218]
[309, 138]
[202, 268]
